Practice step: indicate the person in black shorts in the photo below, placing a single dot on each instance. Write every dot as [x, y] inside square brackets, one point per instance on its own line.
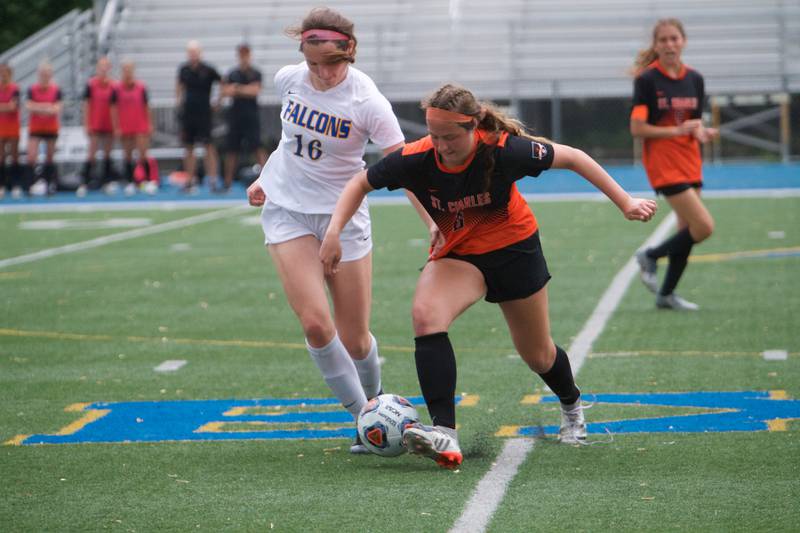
[242, 85]
[485, 243]
[193, 94]
[668, 101]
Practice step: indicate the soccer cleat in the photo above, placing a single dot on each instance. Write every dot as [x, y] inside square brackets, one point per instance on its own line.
[39, 188]
[358, 447]
[573, 426]
[80, 192]
[675, 302]
[434, 443]
[130, 189]
[16, 192]
[647, 270]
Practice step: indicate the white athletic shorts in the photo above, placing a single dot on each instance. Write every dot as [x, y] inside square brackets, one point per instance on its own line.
[281, 225]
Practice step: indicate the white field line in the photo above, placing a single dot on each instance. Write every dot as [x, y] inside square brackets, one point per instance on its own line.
[117, 237]
[491, 489]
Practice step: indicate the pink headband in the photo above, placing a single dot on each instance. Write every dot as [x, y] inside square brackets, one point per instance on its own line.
[323, 35]
[434, 113]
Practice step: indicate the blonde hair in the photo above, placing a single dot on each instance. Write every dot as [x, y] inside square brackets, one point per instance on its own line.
[488, 118]
[648, 55]
[323, 18]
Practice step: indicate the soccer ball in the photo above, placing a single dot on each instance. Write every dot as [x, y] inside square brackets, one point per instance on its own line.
[382, 421]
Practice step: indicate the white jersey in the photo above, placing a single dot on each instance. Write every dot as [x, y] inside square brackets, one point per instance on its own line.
[324, 134]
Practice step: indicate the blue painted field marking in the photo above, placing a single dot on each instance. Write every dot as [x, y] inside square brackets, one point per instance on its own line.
[741, 411]
[201, 420]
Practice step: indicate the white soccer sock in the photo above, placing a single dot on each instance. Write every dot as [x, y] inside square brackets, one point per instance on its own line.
[369, 370]
[340, 374]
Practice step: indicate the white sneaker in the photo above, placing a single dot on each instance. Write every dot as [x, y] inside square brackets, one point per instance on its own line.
[573, 425]
[16, 192]
[2, 192]
[151, 187]
[81, 191]
[675, 302]
[39, 188]
[435, 443]
[110, 188]
[130, 189]
[647, 270]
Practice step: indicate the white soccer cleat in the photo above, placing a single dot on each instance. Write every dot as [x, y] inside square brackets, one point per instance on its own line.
[358, 447]
[573, 425]
[434, 443]
[110, 188]
[80, 192]
[130, 189]
[151, 187]
[647, 270]
[16, 192]
[675, 302]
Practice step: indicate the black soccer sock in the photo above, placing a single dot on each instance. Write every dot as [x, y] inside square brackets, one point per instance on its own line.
[679, 243]
[560, 379]
[129, 171]
[107, 170]
[677, 264]
[86, 172]
[50, 174]
[14, 177]
[436, 370]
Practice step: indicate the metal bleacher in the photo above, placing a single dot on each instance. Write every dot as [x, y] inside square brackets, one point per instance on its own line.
[514, 50]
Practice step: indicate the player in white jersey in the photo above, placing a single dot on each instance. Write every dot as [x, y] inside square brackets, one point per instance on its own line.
[329, 110]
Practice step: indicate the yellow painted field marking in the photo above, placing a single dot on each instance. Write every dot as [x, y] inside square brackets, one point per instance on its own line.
[712, 258]
[76, 407]
[507, 431]
[469, 400]
[531, 399]
[86, 419]
[778, 395]
[16, 441]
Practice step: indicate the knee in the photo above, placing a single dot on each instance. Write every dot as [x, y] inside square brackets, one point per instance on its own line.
[358, 345]
[540, 358]
[425, 319]
[317, 327]
[702, 230]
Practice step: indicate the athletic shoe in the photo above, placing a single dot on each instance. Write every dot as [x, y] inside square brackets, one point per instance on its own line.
[110, 188]
[573, 426]
[130, 189]
[358, 447]
[16, 192]
[434, 443]
[150, 187]
[647, 270]
[675, 302]
[2, 192]
[80, 192]
[39, 188]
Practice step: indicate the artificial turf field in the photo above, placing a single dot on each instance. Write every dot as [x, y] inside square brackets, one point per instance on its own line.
[90, 326]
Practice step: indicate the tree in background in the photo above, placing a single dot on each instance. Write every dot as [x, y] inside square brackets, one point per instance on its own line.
[21, 18]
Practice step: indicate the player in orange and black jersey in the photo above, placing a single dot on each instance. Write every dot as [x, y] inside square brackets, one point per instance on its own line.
[668, 103]
[485, 244]
[9, 132]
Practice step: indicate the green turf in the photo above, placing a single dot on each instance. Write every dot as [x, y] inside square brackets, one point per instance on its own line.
[90, 326]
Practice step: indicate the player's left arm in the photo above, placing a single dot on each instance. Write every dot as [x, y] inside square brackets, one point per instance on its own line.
[578, 161]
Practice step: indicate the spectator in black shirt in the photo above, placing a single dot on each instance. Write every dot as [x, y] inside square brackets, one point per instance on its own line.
[242, 85]
[193, 93]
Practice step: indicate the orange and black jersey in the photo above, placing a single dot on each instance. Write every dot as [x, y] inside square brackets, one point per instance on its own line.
[661, 100]
[471, 218]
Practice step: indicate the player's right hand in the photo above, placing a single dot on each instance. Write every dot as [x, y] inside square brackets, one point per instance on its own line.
[330, 253]
[256, 195]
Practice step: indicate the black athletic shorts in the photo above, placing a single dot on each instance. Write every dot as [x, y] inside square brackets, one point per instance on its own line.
[669, 190]
[511, 273]
[196, 127]
[244, 133]
[44, 136]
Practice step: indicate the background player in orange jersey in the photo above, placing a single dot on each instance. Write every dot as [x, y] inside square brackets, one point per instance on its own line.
[9, 132]
[97, 122]
[464, 175]
[668, 100]
[44, 109]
